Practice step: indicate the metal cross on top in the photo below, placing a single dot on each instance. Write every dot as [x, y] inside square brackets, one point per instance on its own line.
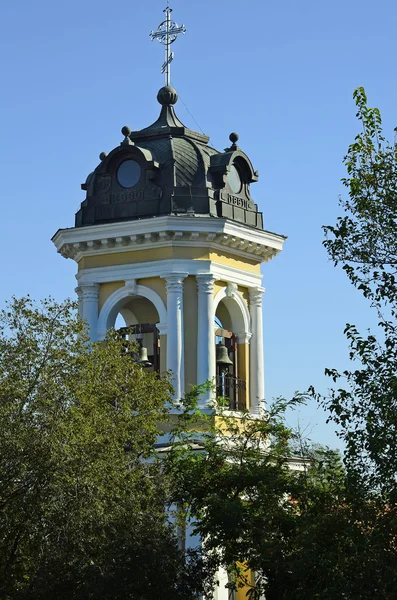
[166, 34]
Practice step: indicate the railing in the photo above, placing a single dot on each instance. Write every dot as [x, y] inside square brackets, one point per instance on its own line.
[233, 390]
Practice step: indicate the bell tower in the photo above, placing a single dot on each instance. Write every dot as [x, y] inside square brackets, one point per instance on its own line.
[170, 238]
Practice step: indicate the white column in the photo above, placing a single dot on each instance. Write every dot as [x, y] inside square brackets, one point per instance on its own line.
[175, 342]
[257, 378]
[88, 296]
[205, 333]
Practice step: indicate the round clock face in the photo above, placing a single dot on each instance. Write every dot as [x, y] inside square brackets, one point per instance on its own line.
[129, 173]
[234, 180]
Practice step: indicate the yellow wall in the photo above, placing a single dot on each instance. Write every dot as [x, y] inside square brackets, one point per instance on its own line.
[106, 290]
[143, 310]
[138, 256]
[244, 292]
[251, 265]
[157, 285]
[218, 286]
[242, 591]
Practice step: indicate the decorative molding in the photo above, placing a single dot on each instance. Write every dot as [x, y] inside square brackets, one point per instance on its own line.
[212, 232]
[231, 290]
[243, 337]
[132, 287]
[205, 283]
[163, 268]
[88, 291]
[174, 282]
[256, 295]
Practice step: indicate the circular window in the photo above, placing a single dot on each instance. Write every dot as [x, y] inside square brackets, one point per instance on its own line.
[129, 173]
[234, 180]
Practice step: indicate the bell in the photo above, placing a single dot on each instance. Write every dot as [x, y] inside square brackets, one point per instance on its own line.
[222, 355]
[143, 359]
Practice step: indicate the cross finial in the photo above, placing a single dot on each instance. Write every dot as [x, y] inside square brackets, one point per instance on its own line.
[166, 34]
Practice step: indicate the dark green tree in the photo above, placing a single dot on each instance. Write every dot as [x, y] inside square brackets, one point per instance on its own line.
[280, 514]
[82, 495]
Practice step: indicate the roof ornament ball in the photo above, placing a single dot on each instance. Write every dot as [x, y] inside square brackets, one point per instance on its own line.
[167, 96]
[126, 133]
[102, 156]
[233, 137]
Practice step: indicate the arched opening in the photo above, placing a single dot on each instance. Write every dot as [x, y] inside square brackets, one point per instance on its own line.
[136, 319]
[231, 360]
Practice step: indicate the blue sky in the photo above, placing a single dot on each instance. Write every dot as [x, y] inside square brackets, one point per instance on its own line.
[281, 74]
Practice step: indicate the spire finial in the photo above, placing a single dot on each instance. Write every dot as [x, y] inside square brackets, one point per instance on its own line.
[166, 34]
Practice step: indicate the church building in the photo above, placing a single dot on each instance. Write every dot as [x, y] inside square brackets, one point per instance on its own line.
[170, 238]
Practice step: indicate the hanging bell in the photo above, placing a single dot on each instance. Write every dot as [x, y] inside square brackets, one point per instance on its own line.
[143, 359]
[222, 355]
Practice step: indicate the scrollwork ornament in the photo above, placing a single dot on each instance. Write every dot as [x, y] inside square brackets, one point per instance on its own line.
[231, 290]
[89, 292]
[205, 284]
[256, 295]
[174, 283]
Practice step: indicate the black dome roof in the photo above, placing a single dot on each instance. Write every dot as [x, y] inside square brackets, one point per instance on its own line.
[175, 172]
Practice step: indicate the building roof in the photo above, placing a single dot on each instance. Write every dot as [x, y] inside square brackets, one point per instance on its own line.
[168, 169]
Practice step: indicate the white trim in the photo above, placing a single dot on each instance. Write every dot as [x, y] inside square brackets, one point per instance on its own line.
[116, 300]
[161, 268]
[175, 336]
[257, 375]
[170, 230]
[205, 338]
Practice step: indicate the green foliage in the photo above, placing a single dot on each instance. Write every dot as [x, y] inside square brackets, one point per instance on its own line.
[82, 496]
[364, 242]
[364, 238]
[364, 402]
[264, 501]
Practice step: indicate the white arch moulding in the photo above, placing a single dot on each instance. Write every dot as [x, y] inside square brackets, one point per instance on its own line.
[238, 311]
[114, 304]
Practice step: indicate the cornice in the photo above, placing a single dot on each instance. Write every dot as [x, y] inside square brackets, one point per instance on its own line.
[210, 232]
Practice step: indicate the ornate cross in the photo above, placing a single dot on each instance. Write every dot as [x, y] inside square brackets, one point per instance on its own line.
[166, 34]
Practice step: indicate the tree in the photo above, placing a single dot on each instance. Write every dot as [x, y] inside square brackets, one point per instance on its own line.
[322, 529]
[279, 514]
[364, 242]
[82, 495]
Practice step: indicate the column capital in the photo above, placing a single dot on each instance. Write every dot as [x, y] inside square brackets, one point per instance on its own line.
[88, 291]
[243, 337]
[205, 283]
[255, 295]
[174, 281]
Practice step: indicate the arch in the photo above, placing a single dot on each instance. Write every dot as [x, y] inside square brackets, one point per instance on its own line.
[238, 311]
[128, 316]
[119, 298]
